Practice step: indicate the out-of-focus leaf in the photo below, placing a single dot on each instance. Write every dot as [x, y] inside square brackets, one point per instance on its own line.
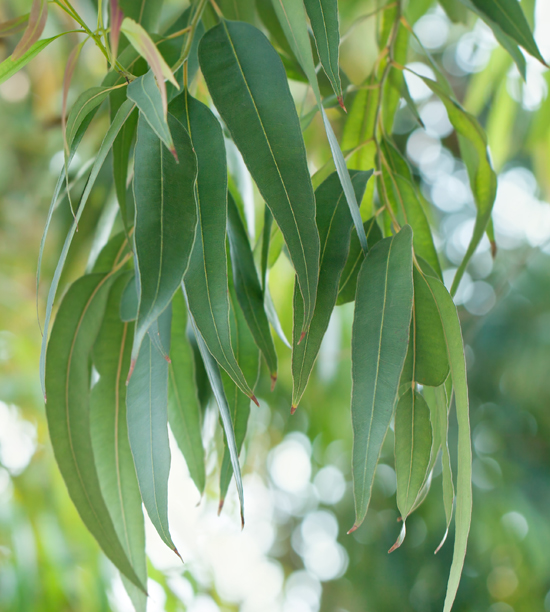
[323, 15]
[109, 432]
[67, 77]
[67, 410]
[457, 363]
[356, 256]
[404, 198]
[147, 417]
[413, 445]
[248, 357]
[13, 26]
[248, 288]
[216, 383]
[292, 16]
[184, 414]
[115, 23]
[10, 66]
[34, 29]
[206, 278]
[455, 11]
[152, 102]
[380, 336]
[394, 85]
[243, 10]
[104, 149]
[249, 87]
[483, 180]
[426, 361]
[334, 224]
[166, 216]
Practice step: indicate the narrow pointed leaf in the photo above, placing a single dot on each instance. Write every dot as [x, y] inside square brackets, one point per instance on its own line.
[67, 410]
[104, 149]
[292, 17]
[113, 457]
[216, 383]
[248, 288]
[457, 363]
[413, 445]
[10, 65]
[148, 98]
[323, 15]
[166, 216]
[147, 417]
[206, 278]
[348, 279]
[184, 413]
[334, 223]
[249, 87]
[34, 29]
[380, 337]
[86, 103]
[14, 26]
[116, 17]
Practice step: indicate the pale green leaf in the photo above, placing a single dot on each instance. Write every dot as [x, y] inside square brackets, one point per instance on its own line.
[34, 29]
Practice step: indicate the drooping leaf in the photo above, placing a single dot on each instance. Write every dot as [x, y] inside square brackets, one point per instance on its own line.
[292, 17]
[10, 66]
[323, 15]
[184, 414]
[356, 256]
[109, 431]
[147, 417]
[454, 10]
[206, 278]
[166, 216]
[153, 104]
[426, 361]
[216, 384]
[483, 180]
[248, 84]
[266, 242]
[34, 29]
[111, 254]
[67, 409]
[457, 363]
[380, 336]
[116, 16]
[413, 445]
[248, 356]
[248, 288]
[104, 149]
[67, 77]
[14, 26]
[334, 224]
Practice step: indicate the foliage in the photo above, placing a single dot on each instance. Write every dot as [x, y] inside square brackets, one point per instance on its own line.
[180, 278]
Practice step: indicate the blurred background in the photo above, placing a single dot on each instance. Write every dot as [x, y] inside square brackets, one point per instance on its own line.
[294, 554]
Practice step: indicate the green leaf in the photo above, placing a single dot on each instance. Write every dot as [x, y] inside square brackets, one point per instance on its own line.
[216, 383]
[405, 200]
[292, 16]
[104, 149]
[34, 29]
[86, 103]
[426, 361]
[380, 336]
[323, 15]
[129, 303]
[248, 357]
[356, 256]
[147, 96]
[457, 363]
[248, 288]
[166, 216]
[249, 87]
[109, 431]
[147, 416]
[507, 14]
[334, 224]
[413, 445]
[206, 278]
[10, 66]
[483, 180]
[13, 26]
[184, 414]
[455, 11]
[266, 243]
[145, 12]
[67, 409]
[111, 254]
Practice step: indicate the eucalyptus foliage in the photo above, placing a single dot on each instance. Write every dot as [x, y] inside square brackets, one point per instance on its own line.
[184, 286]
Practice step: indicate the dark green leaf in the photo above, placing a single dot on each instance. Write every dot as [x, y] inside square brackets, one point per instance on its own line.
[111, 254]
[67, 410]
[85, 104]
[147, 416]
[166, 216]
[380, 336]
[184, 414]
[248, 84]
[334, 224]
[129, 303]
[109, 431]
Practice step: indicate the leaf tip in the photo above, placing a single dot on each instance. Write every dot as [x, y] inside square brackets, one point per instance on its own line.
[293, 409]
[494, 249]
[400, 539]
[273, 381]
[302, 336]
[254, 399]
[242, 519]
[167, 357]
[177, 553]
[442, 542]
[132, 366]
[220, 505]
[174, 153]
[341, 103]
[354, 528]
